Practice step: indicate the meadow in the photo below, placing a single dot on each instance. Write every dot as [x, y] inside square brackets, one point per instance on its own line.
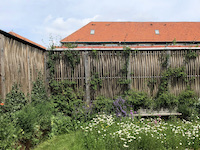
[62, 120]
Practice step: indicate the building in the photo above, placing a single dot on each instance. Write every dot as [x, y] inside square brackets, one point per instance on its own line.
[20, 62]
[135, 34]
[150, 44]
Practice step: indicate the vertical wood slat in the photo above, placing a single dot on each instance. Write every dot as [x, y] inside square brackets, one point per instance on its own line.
[87, 77]
[29, 73]
[2, 41]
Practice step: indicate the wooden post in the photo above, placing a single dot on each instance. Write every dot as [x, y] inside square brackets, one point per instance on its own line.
[47, 73]
[2, 57]
[168, 52]
[45, 70]
[87, 77]
[29, 73]
[129, 72]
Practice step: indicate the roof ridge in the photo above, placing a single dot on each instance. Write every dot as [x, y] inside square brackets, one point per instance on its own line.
[25, 39]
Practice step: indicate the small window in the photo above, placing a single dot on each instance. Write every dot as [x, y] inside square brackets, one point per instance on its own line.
[157, 32]
[91, 31]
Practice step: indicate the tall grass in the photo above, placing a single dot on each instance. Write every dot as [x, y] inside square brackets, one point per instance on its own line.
[107, 132]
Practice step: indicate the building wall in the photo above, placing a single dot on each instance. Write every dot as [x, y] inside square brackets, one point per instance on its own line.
[20, 64]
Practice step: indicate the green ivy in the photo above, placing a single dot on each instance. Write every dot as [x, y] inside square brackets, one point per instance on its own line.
[170, 74]
[151, 85]
[72, 57]
[95, 82]
[124, 81]
[191, 55]
[164, 59]
[94, 54]
[39, 93]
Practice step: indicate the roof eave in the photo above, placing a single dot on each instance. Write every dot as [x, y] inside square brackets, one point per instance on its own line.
[21, 40]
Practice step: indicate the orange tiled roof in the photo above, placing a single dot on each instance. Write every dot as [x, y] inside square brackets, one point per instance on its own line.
[25, 39]
[136, 32]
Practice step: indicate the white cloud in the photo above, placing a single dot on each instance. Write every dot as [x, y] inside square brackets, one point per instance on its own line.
[59, 28]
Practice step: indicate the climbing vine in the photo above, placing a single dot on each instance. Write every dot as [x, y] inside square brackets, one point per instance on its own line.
[151, 85]
[170, 74]
[191, 55]
[94, 54]
[164, 59]
[72, 56]
[95, 82]
[124, 81]
[52, 57]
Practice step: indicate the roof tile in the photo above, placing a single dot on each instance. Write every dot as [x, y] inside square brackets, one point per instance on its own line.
[136, 32]
[25, 39]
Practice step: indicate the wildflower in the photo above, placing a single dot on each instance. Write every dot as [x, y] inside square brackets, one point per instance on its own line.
[135, 112]
[1, 104]
[125, 145]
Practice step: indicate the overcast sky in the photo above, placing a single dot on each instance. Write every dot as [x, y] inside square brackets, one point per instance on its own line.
[44, 20]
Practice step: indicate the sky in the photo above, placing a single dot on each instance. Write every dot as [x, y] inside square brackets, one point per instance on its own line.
[47, 21]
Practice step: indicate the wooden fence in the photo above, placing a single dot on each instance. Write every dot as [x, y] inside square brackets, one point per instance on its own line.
[143, 66]
[20, 63]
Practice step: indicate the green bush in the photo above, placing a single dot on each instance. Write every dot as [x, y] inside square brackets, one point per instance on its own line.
[166, 100]
[34, 122]
[187, 100]
[38, 93]
[60, 124]
[15, 100]
[66, 99]
[8, 133]
[135, 100]
[102, 104]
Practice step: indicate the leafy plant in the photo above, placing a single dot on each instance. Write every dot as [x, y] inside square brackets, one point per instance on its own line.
[38, 93]
[8, 133]
[120, 107]
[136, 100]
[166, 100]
[65, 97]
[60, 124]
[15, 100]
[95, 82]
[190, 55]
[124, 81]
[102, 104]
[170, 74]
[151, 84]
[94, 54]
[34, 123]
[187, 100]
[164, 59]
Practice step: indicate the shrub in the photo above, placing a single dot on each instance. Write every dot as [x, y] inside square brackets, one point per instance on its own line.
[60, 124]
[187, 100]
[34, 123]
[135, 100]
[166, 100]
[66, 99]
[8, 133]
[15, 100]
[102, 104]
[38, 93]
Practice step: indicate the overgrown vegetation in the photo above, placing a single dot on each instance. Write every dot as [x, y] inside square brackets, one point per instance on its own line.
[24, 124]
